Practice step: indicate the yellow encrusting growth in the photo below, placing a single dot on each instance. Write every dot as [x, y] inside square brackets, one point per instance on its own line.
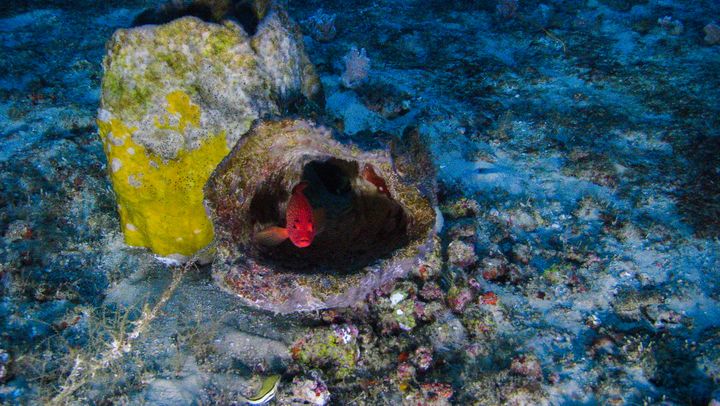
[179, 103]
[161, 202]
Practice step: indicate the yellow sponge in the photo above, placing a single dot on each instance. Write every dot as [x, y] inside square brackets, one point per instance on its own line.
[161, 202]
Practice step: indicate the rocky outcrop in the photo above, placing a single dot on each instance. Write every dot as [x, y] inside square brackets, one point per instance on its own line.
[177, 97]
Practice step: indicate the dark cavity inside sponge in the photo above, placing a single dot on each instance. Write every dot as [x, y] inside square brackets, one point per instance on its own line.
[361, 225]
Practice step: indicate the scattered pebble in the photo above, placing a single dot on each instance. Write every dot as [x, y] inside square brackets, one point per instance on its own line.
[18, 230]
[527, 365]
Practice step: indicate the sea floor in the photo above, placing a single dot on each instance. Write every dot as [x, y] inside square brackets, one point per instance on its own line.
[577, 148]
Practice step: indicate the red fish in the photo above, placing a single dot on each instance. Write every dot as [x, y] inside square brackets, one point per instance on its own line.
[300, 222]
[368, 173]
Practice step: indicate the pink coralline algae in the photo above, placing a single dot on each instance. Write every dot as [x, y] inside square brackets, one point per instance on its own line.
[436, 390]
[431, 291]
[527, 365]
[423, 358]
[457, 299]
[309, 391]
[405, 372]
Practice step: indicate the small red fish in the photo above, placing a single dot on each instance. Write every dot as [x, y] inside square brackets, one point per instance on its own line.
[300, 222]
[368, 173]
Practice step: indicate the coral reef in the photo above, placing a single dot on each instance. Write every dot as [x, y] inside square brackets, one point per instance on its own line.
[508, 389]
[527, 365]
[552, 165]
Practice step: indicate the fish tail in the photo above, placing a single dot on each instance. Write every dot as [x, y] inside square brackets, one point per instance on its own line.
[271, 236]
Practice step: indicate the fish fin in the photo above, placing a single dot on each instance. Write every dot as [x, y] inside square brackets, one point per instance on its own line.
[319, 220]
[271, 236]
[266, 392]
[300, 187]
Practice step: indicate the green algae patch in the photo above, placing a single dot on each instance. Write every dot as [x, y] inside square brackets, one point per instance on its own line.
[161, 201]
[333, 350]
